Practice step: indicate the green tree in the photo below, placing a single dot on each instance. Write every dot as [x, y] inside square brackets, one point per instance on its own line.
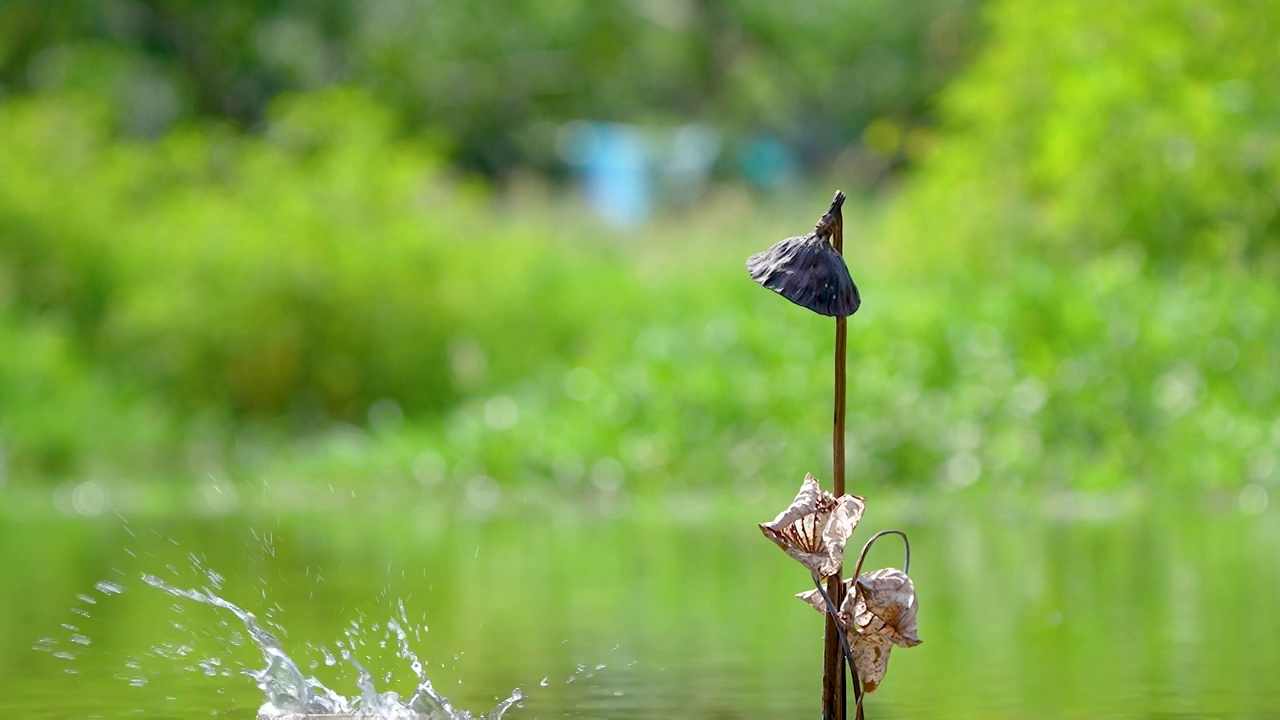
[1088, 125]
[499, 79]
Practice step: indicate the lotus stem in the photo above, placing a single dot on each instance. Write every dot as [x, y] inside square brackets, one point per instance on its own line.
[832, 223]
[833, 614]
[906, 564]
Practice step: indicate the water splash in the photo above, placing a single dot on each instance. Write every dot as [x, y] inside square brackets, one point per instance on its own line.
[289, 695]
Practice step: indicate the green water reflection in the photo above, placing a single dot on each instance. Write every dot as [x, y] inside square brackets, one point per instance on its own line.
[1137, 614]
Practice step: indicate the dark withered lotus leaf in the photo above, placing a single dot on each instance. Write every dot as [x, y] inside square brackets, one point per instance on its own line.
[808, 272]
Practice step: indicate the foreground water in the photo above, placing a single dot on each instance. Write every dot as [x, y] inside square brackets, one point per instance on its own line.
[1068, 609]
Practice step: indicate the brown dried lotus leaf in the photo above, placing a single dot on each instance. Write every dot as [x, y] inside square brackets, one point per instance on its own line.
[884, 603]
[871, 658]
[878, 612]
[841, 524]
[816, 526]
[853, 614]
[814, 598]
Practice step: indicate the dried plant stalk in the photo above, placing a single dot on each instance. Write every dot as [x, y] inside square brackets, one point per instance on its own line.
[810, 271]
[833, 664]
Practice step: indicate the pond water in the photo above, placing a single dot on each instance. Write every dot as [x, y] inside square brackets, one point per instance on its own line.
[1067, 609]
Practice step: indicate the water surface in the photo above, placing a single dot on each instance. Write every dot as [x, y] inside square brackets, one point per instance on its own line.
[1024, 613]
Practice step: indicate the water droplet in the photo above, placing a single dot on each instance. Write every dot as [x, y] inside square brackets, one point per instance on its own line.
[80, 639]
[545, 682]
[109, 588]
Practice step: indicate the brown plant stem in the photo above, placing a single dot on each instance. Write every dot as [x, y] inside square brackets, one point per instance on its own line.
[834, 706]
[848, 651]
[833, 612]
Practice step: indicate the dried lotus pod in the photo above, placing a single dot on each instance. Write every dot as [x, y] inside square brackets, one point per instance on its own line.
[810, 273]
[808, 270]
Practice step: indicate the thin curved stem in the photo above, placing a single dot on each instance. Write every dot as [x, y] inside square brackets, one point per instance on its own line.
[831, 610]
[857, 571]
[906, 565]
[844, 640]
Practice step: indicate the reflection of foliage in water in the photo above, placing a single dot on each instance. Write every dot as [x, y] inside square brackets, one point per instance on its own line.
[1123, 636]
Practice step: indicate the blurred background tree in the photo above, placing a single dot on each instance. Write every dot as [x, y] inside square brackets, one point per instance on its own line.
[229, 229]
[1086, 126]
[337, 276]
[496, 82]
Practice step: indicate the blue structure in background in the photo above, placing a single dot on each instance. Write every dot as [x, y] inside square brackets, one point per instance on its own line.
[627, 169]
[613, 161]
[768, 163]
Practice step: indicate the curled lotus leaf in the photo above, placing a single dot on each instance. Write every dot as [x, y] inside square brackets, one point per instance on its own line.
[870, 650]
[871, 658]
[884, 603]
[814, 597]
[816, 526]
[878, 612]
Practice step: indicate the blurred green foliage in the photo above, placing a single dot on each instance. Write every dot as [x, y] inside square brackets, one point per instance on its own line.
[307, 272]
[328, 272]
[322, 300]
[1084, 126]
[498, 80]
